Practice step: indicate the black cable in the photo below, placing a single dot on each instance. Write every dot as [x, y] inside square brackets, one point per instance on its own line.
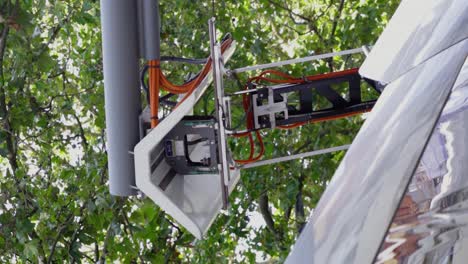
[143, 84]
[242, 121]
[167, 58]
[165, 100]
[235, 76]
[226, 37]
[187, 156]
[196, 141]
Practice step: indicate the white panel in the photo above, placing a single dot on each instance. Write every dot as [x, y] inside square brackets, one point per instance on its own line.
[192, 200]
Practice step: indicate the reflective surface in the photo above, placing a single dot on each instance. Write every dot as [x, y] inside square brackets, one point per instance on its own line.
[430, 225]
[355, 211]
[418, 30]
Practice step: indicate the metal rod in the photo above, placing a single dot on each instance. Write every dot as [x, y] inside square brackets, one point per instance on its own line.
[299, 60]
[219, 94]
[296, 156]
[232, 132]
[243, 92]
[366, 50]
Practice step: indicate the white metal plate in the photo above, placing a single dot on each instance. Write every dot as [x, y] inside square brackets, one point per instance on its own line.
[192, 200]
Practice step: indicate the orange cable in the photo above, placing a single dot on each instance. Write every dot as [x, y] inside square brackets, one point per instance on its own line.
[158, 80]
[154, 91]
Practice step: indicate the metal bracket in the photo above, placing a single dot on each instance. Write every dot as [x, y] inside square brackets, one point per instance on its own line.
[227, 111]
[270, 109]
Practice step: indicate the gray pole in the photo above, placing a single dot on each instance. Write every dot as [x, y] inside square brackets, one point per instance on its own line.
[121, 89]
[148, 11]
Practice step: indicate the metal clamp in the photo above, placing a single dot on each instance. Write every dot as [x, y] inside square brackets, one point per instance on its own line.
[270, 109]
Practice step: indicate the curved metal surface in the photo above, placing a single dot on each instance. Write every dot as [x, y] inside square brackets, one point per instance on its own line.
[419, 29]
[430, 225]
[353, 215]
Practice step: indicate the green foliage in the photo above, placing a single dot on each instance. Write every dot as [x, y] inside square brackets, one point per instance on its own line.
[54, 202]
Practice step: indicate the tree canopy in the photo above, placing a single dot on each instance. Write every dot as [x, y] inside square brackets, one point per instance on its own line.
[54, 201]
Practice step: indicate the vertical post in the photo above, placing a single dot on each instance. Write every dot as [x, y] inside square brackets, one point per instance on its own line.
[150, 29]
[154, 91]
[216, 58]
[149, 23]
[121, 90]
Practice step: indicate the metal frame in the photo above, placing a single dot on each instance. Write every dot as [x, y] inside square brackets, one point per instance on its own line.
[293, 157]
[217, 65]
[276, 98]
[363, 49]
[272, 100]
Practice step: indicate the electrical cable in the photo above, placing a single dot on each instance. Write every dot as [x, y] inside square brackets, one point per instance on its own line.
[158, 80]
[143, 84]
[224, 45]
[154, 87]
[165, 100]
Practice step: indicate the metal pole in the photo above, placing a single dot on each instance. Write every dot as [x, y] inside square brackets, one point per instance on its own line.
[292, 157]
[219, 94]
[150, 27]
[299, 60]
[121, 90]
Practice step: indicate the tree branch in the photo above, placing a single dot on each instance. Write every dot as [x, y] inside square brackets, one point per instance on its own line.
[57, 238]
[309, 21]
[109, 233]
[54, 35]
[10, 139]
[299, 206]
[127, 224]
[331, 38]
[335, 20]
[82, 132]
[285, 7]
[266, 213]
